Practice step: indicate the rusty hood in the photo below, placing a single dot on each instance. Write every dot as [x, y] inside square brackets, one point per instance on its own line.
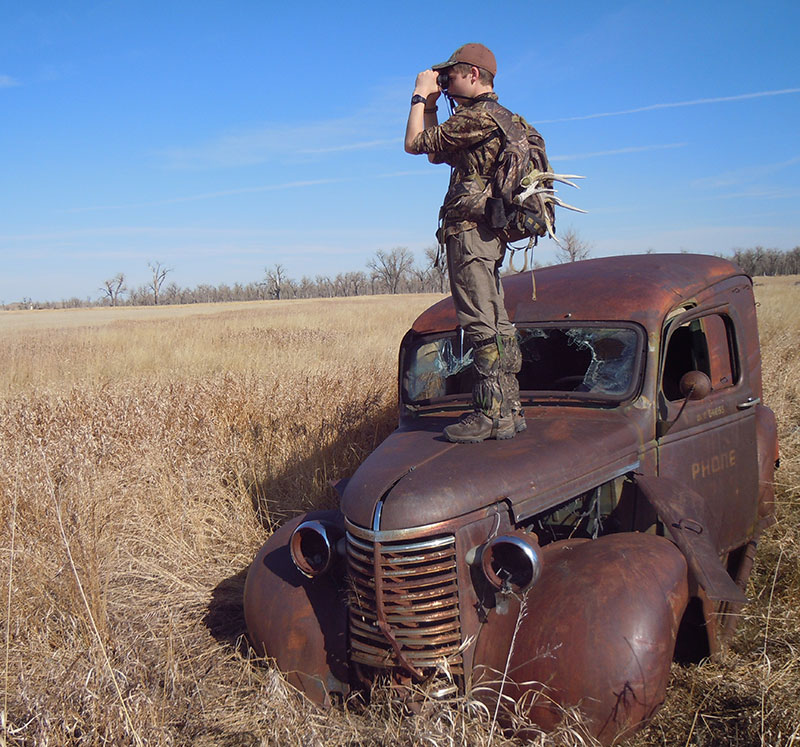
[423, 479]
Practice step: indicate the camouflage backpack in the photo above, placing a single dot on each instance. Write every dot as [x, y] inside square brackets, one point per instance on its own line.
[516, 211]
[519, 200]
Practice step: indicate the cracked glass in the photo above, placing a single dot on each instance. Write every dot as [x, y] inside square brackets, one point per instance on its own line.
[587, 362]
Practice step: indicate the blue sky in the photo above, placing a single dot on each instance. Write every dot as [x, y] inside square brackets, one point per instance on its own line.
[222, 138]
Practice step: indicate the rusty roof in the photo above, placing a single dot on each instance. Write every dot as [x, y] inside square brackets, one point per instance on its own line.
[638, 287]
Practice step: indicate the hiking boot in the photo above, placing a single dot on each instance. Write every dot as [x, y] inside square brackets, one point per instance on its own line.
[519, 421]
[477, 427]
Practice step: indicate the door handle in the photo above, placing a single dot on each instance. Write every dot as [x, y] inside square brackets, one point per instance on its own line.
[749, 402]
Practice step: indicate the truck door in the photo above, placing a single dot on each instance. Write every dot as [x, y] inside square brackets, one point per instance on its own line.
[709, 444]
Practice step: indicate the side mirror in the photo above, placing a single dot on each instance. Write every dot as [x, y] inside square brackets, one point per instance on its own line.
[695, 385]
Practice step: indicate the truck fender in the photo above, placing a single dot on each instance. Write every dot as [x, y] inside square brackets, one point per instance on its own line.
[299, 622]
[596, 632]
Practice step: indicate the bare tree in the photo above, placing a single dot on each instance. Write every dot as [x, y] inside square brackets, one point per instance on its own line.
[306, 288]
[357, 282]
[290, 288]
[160, 273]
[113, 288]
[391, 267]
[438, 268]
[339, 285]
[276, 279]
[572, 247]
[204, 293]
[420, 279]
[325, 286]
[171, 294]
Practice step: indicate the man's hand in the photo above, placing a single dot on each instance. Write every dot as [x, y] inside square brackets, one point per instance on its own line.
[427, 85]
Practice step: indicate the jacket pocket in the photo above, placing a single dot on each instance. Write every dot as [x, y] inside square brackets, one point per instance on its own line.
[466, 200]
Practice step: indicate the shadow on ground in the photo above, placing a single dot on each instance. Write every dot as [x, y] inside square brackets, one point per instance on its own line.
[224, 617]
[306, 484]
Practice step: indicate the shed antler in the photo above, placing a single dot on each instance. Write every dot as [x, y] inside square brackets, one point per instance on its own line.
[540, 183]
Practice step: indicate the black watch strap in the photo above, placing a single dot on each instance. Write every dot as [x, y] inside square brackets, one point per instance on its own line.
[417, 99]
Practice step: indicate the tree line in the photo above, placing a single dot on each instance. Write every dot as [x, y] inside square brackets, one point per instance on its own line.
[387, 271]
[760, 261]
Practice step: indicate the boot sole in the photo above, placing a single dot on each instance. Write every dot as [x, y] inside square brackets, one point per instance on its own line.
[498, 437]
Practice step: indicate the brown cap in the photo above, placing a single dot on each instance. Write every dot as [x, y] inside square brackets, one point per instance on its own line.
[471, 54]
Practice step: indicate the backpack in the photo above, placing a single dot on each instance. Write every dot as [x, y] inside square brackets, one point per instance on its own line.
[521, 167]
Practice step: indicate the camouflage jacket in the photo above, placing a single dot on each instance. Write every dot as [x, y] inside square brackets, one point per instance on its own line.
[469, 141]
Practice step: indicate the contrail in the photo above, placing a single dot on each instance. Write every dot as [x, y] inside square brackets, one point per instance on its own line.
[353, 146]
[673, 105]
[617, 151]
[210, 195]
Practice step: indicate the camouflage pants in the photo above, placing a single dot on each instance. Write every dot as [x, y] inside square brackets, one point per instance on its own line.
[497, 362]
[473, 261]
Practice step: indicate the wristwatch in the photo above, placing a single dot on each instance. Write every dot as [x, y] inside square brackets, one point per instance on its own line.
[417, 99]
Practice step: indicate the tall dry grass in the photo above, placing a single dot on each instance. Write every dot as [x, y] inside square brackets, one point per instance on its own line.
[144, 459]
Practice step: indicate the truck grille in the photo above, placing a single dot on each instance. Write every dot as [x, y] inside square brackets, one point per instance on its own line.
[419, 585]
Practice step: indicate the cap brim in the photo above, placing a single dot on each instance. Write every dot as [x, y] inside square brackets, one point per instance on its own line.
[443, 65]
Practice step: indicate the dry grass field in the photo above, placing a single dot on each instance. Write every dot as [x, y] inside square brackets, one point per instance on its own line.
[145, 455]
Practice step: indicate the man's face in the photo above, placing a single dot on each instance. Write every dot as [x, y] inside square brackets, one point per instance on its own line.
[459, 86]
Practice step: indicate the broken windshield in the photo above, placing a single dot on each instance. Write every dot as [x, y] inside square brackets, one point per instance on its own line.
[586, 362]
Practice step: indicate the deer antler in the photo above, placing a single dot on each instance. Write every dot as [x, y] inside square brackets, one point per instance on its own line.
[563, 204]
[535, 176]
[534, 183]
[550, 231]
[563, 178]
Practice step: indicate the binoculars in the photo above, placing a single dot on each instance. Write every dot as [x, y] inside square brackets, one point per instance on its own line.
[443, 80]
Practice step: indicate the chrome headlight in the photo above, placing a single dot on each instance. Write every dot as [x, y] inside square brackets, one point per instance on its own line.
[512, 562]
[313, 547]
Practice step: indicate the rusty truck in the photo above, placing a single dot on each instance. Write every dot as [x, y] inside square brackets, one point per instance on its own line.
[568, 567]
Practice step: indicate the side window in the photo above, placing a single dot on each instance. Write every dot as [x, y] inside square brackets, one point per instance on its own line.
[719, 335]
[705, 345]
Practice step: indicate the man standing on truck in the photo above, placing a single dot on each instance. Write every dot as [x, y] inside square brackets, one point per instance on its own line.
[470, 142]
